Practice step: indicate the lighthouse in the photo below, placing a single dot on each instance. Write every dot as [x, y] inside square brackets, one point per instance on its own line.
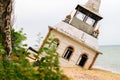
[76, 37]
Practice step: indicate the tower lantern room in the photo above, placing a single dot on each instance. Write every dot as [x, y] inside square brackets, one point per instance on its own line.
[87, 16]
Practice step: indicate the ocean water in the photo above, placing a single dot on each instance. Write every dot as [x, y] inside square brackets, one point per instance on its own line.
[110, 59]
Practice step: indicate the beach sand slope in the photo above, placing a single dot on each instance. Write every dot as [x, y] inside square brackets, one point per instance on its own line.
[77, 73]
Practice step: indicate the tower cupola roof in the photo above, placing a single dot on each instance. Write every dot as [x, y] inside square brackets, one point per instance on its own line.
[93, 5]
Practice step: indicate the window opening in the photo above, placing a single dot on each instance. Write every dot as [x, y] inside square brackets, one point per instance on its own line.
[68, 53]
[83, 60]
[90, 21]
[54, 44]
[80, 16]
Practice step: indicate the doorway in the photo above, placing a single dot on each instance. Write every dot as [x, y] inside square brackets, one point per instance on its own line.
[83, 60]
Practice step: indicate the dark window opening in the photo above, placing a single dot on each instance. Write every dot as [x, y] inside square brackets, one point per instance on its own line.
[68, 53]
[83, 60]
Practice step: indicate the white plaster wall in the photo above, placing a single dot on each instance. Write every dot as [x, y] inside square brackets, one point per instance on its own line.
[65, 42]
[77, 34]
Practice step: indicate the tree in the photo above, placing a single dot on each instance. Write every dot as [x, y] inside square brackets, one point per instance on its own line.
[47, 62]
[19, 68]
[5, 23]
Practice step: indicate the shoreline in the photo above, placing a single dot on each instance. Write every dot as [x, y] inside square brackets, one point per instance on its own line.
[107, 69]
[78, 73]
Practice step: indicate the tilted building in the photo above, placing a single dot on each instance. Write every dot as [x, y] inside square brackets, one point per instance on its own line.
[75, 38]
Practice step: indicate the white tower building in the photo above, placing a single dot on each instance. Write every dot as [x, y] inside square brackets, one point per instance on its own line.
[76, 37]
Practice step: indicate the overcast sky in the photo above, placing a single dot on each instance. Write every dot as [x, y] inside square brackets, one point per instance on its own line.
[34, 16]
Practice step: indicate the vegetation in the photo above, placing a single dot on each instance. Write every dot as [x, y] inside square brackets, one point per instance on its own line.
[19, 68]
[14, 64]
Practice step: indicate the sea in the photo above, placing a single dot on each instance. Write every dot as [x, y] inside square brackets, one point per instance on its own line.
[110, 59]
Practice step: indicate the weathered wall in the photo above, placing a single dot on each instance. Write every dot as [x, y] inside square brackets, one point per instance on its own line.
[77, 34]
[82, 25]
[79, 49]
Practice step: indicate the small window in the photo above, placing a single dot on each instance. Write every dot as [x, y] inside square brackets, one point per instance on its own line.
[90, 21]
[68, 53]
[82, 60]
[54, 44]
[80, 16]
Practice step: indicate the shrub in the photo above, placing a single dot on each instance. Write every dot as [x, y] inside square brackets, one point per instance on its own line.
[19, 68]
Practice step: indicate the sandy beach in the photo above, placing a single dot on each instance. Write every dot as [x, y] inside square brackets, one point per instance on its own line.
[77, 73]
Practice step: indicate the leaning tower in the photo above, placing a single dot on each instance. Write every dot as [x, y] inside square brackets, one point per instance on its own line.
[76, 37]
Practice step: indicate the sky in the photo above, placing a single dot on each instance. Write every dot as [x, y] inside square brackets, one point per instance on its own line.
[34, 16]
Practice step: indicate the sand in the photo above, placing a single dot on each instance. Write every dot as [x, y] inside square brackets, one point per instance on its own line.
[78, 73]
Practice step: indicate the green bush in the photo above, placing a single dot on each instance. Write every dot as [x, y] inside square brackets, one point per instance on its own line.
[19, 68]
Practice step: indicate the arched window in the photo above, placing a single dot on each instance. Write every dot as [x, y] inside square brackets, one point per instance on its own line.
[54, 44]
[83, 60]
[68, 53]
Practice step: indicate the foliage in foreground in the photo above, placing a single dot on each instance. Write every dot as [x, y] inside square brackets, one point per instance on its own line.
[19, 68]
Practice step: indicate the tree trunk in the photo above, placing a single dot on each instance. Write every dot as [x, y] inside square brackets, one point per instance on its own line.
[5, 23]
